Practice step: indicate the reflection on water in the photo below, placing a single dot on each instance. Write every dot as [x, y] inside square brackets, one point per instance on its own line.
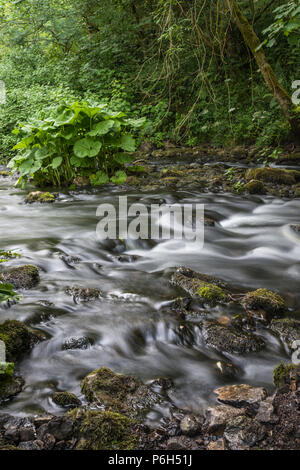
[251, 246]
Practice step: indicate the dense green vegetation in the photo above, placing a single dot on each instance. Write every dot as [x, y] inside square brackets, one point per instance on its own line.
[184, 65]
[76, 140]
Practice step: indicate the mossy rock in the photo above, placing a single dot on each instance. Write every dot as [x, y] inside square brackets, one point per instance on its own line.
[117, 392]
[66, 399]
[287, 329]
[24, 277]
[255, 187]
[104, 430]
[132, 181]
[297, 192]
[39, 196]
[81, 182]
[18, 339]
[171, 172]
[10, 386]
[201, 286]
[230, 340]
[263, 304]
[271, 175]
[282, 374]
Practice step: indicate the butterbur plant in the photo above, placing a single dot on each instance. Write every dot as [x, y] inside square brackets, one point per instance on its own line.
[7, 293]
[7, 368]
[76, 139]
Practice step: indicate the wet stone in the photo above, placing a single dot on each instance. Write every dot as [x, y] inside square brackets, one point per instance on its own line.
[30, 445]
[287, 329]
[231, 340]
[241, 395]
[83, 294]
[217, 417]
[191, 425]
[77, 343]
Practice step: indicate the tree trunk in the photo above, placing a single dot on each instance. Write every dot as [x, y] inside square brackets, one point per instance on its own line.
[252, 41]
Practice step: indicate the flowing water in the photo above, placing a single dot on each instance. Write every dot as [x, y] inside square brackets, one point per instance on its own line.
[251, 246]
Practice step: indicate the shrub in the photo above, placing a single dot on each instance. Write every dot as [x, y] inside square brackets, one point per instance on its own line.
[76, 139]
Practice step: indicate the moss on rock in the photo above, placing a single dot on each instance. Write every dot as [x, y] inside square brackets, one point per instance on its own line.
[211, 293]
[264, 304]
[297, 192]
[66, 399]
[10, 386]
[118, 393]
[39, 196]
[104, 430]
[270, 175]
[23, 277]
[255, 187]
[281, 374]
[105, 387]
[17, 337]
[202, 286]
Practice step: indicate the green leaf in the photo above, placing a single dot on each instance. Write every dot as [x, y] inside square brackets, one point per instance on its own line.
[119, 177]
[25, 167]
[7, 368]
[75, 161]
[87, 147]
[41, 153]
[123, 158]
[7, 292]
[99, 178]
[68, 133]
[56, 162]
[136, 123]
[128, 143]
[102, 128]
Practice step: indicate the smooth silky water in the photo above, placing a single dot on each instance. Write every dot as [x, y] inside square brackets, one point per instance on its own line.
[251, 246]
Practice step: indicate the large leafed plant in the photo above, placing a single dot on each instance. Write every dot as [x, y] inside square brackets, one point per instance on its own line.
[76, 139]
